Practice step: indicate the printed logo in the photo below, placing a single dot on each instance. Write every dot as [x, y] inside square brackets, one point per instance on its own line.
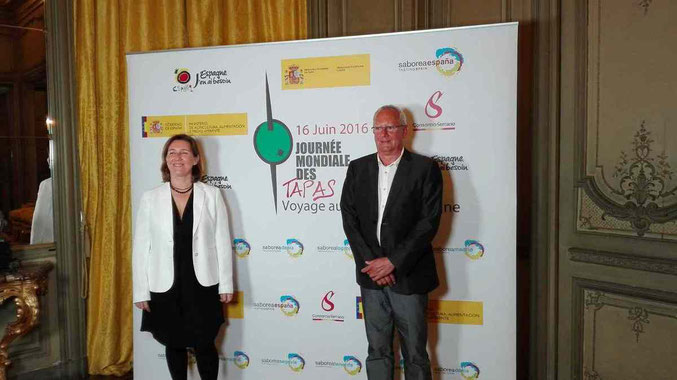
[219, 181]
[448, 61]
[338, 249]
[359, 311]
[235, 309]
[155, 127]
[241, 247]
[474, 249]
[296, 362]
[451, 163]
[346, 249]
[241, 360]
[467, 371]
[294, 248]
[455, 312]
[289, 305]
[327, 305]
[432, 110]
[273, 143]
[294, 75]
[323, 72]
[182, 76]
[352, 365]
[216, 124]
[451, 61]
[470, 371]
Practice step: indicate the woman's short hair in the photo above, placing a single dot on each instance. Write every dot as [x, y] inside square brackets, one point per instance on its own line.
[197, 169]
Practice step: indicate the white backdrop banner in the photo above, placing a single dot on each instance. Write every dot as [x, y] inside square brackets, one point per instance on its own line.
[298, 311]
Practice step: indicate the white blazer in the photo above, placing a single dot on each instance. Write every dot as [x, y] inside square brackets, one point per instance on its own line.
[153, 247]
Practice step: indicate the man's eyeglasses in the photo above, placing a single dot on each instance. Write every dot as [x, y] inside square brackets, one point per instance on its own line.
[387, 128]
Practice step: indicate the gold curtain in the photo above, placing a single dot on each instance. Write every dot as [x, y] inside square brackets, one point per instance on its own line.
[105, 32]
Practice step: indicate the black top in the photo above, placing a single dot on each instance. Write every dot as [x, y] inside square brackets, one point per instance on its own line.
[188, 314]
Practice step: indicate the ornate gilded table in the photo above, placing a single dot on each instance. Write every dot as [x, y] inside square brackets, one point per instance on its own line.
[24, 285]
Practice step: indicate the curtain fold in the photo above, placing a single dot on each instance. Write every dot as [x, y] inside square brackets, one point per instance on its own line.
[105, 31]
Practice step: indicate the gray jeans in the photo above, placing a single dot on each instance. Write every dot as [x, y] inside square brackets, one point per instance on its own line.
[384, 311]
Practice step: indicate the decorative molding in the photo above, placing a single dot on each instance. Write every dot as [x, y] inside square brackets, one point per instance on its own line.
[642, 182]
[623, 260]
[645, 4]
[592, 299]
[639, 316]
[637, 205]
[591, 296]
[591, 375]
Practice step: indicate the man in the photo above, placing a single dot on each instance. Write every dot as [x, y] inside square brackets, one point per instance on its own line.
[391, 206]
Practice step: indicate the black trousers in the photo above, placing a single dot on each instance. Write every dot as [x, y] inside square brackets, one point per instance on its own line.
[385, 311]
[207, 362]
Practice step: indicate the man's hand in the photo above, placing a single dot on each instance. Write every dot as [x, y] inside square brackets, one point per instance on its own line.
[388, 280]
[143, 305]
[379, 268]
[226, 297]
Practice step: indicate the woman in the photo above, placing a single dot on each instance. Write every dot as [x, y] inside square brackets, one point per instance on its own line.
[182, 260]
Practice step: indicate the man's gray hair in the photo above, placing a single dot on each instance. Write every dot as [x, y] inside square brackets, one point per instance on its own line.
[403, 116]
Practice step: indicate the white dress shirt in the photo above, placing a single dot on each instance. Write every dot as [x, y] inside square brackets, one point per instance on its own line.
[386, 173]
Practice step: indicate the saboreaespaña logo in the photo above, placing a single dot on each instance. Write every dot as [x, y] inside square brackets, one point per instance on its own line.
[352, 365]
[289, 305]
[296, 362]
[450, 60]
[241, 360]
[469, 371]
[474, 249]
[241, 248]
[294, 248]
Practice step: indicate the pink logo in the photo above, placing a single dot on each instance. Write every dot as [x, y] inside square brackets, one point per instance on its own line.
[327, 305]
[432, 110]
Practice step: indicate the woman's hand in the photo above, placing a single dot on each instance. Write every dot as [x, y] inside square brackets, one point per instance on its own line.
[226, 297]
[143, 305]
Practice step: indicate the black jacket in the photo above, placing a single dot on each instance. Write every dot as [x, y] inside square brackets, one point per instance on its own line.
[410, 220]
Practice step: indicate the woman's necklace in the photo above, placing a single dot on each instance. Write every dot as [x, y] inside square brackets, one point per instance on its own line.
[181, 191]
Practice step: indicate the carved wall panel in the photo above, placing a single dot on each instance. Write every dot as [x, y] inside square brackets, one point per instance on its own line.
[626, 337]
[334, 18]
[475, 12]
[629, 142]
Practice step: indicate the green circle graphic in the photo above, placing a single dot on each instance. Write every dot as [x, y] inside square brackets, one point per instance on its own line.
[273, 145]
